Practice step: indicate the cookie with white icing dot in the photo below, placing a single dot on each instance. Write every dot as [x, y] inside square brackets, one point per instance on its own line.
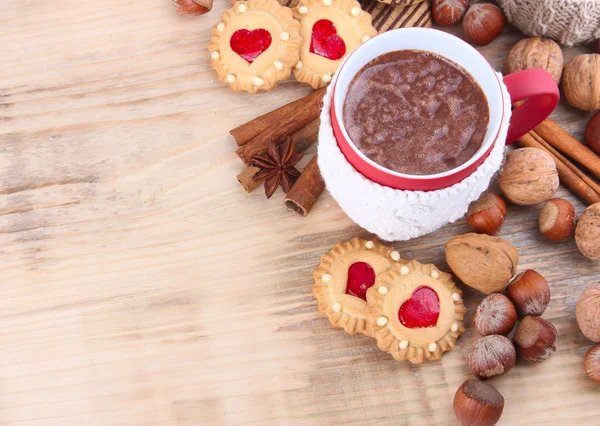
[255, 45]
[415, 312]
[343, 278]
[331, 30]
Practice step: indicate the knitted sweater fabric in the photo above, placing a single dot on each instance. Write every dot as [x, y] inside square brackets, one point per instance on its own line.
[569, 22]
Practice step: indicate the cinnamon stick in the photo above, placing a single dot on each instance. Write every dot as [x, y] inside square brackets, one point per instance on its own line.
[245, 178]
[560, 139]
[306, 136]
[246, 132]
[302, 139]
[589, 181]
[306, 190]
[304, 111]
[567, 176]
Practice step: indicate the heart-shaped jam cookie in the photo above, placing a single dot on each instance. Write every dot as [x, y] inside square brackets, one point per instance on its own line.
[422, 310]
[250, 44]
[255, 45]
[326, 42]
[329, 34]
[345, 276]
[415, 312]
[361, 276]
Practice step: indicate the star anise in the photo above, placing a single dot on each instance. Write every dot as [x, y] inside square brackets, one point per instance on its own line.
[277, 166]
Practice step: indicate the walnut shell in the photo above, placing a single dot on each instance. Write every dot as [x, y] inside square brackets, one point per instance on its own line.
[483, 262]
[587, 233]
[581, 82]
[536, 52]
[588, 313]
[529, 176]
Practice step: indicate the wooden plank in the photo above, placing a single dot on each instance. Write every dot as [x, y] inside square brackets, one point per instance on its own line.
[141, 285]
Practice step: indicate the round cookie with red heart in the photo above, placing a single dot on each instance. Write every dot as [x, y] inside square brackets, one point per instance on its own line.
[415, 312]
[331, 30]
[254, 45]
[343, 278]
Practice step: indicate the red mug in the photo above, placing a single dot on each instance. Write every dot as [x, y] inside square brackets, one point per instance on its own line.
[535, 86]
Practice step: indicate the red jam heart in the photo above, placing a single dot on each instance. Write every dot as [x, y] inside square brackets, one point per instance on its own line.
[361, 276]
[250, 44]
[326, 42]
[422, 310]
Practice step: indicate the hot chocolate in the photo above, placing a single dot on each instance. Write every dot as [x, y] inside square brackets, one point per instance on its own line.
[416, 112]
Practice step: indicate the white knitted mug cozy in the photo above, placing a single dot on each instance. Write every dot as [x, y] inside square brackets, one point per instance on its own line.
[392, 214]
[569, 22]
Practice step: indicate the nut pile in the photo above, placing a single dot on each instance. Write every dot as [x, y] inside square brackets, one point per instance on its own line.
[482, 23]
[529, 177]
[494, 354]
[514, 306]
[580, 76]
[527, 296]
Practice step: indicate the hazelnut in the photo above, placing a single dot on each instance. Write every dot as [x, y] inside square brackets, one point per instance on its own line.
[495, 314]
[482, 262]
[581, 82]
[535, 339]
[530, 293]
[193, 7]
[535, 52]
[448, 12]
[587, 232]
[557, 220]
[491, 356]
[588, 313]
[478, 403]
[483, 22]
[591, 363]
[592, 133]
[486, 215]
[529, 176]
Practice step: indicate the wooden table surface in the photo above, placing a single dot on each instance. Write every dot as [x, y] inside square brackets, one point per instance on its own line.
[142, 286]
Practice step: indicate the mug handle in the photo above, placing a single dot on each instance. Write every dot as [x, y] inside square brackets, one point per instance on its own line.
[542, 94]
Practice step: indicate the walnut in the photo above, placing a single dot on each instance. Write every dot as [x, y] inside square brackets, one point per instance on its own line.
[587, 233]
[529, 176]
[581, 82]
[536, 52]
[587, 313]
[483, 262]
